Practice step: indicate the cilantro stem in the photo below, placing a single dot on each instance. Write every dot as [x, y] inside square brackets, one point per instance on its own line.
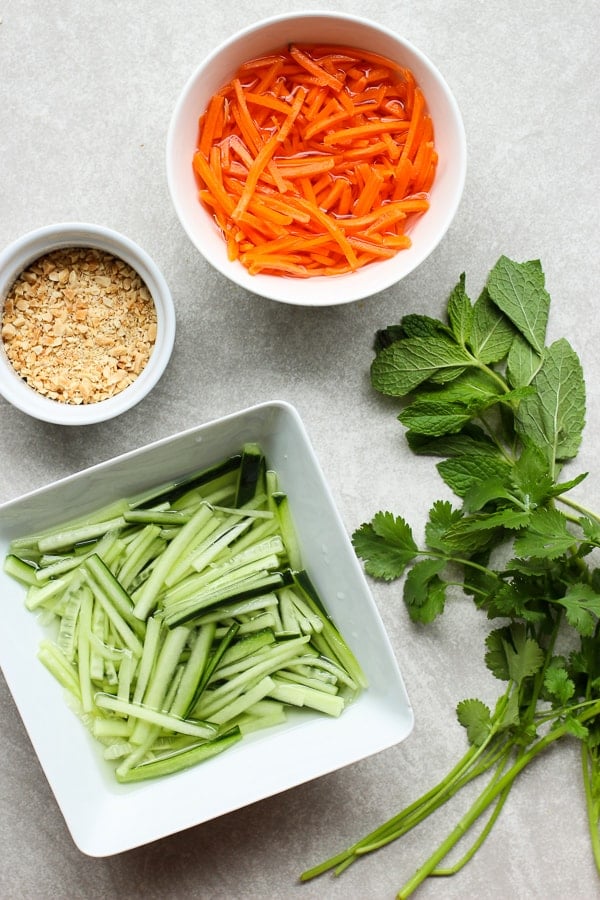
[578, 507]
[589, 765]
[484, 801]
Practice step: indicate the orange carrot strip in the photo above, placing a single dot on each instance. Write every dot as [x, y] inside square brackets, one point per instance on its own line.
[414, 123]
[292, 115]
[367, 198]
[334, 230]
[315, 69]
[304, 165]
[269, 101]
[206, 174]
[211, 124]
[263, 157]
[346, 135]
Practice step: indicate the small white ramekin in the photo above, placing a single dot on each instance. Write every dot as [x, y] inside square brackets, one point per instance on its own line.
[15, 258]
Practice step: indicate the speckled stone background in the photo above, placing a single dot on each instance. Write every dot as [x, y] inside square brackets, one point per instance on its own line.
[86, 93]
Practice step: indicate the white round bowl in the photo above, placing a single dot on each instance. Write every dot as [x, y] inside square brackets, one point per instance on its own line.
[272, 34]
[15, 258]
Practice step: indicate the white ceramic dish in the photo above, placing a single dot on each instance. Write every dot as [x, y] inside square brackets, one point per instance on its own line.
[272, 34]
[104, 817]
[16, 257]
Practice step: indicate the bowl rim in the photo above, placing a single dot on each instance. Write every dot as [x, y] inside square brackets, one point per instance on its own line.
[36, 243]
[357, 285]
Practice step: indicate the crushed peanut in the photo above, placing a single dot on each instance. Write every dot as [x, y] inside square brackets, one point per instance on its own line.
[79, 325]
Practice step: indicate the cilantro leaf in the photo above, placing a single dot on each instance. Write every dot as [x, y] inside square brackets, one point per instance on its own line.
[558, 685]
[582, 608]
[425, 591]
[511, 655]
[441, 517]
[386, 545]
[518, 290]
[476, 717]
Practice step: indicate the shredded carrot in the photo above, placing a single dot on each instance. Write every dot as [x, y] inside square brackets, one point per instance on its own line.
[315, 160]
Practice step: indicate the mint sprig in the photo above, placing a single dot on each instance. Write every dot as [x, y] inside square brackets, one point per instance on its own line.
[502, 412]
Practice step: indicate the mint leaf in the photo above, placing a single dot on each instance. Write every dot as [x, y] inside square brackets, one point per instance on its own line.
[476, 717]
[434, 418]
[464, 473]
[460, 313]
[400, 368]
[522, 363]
[518, 290]
[546, 535]
[554, 416]
[491, 332]
[386, 545]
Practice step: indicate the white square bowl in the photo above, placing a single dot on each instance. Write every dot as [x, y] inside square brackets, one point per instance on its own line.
[105, 817]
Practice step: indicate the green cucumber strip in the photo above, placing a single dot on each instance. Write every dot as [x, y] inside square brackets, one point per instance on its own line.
[245, 662]
[105, 728]
[337, 672]
[250, 474]
[147, 598]
[166, 721]
[183, 567]
[247, 645]
[265, 620]
[39, 596]
[152, 640]
[67, 629]
[307, 681]
[81, 534]
[175, 490]
[330, 642]
[184, 611]
[286, 526]
[102, 548]
[280, 654]
[105, 514]
[156, 516]
[298, 695]
[127, 670]
[120, 625]
[19, 569]
[248, 723]
[225, 538]
[313, 620]
[83, 650]
[218, 578]
[244, 701]
[60, 667]
[193, 671]
[161, 677]
[104, 580]
[137, 555]
[178, 760]
[240, 607]
[210, 667]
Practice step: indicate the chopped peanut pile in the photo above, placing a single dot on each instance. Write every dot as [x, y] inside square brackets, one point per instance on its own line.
[79, 325]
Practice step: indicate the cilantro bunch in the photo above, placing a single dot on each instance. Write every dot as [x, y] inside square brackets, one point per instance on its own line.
[502, 412]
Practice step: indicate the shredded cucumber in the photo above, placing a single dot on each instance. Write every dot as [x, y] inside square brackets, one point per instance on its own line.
[185, 619]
